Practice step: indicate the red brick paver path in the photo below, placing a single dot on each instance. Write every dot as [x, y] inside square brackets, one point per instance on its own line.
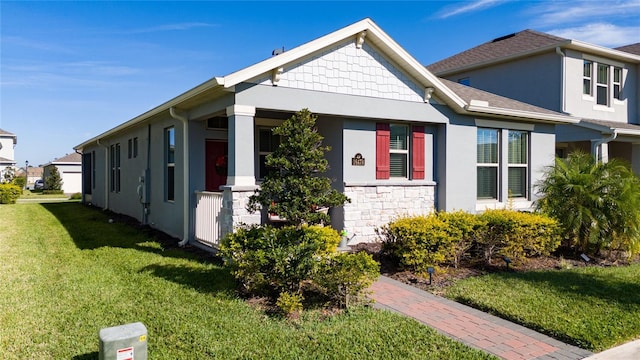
[470, 326]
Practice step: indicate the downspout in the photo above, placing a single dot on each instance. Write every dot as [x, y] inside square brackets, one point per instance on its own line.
[185, 175]
[106, 174]
[598, 145]
[563, 80]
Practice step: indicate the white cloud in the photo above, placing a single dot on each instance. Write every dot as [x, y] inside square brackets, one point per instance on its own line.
[600, 34]
[469, 7]
[170, 27]
[558, 13]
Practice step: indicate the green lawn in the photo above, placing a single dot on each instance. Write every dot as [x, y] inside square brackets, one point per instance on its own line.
[592, 307]
[66, 272]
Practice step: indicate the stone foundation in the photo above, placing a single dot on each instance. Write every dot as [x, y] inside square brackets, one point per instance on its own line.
[234, 208]
[373, 206]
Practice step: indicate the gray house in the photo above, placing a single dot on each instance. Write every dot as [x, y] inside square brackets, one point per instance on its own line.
[599, 85]
[403, 141]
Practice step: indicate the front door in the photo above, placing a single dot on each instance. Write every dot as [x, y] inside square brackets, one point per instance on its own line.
[216, 164]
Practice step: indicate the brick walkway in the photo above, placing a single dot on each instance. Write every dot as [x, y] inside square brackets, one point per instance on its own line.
[470, 326]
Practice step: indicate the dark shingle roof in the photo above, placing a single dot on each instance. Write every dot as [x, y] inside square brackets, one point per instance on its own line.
[69, 158]
[468, 93]
[631, 48]
[4, 132]
[506, 46]
[612, 124]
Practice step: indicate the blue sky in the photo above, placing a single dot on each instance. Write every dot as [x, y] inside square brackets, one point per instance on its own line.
[72, 70]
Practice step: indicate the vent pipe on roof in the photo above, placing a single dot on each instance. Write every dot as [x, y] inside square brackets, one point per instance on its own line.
[277, 51]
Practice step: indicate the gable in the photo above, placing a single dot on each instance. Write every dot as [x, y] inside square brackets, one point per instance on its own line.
[345, 69]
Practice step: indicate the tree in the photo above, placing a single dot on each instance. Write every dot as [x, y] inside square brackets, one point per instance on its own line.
[9, 175]
[53, 181]
[596, 203]
[293, 188]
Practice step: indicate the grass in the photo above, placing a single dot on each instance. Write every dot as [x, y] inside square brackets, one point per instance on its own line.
[67, 272]
[592, 307]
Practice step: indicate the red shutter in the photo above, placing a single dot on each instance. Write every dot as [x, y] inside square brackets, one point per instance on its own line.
[417, 156]
[383, 137]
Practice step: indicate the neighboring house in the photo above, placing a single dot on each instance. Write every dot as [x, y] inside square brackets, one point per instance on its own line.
[403, 141]
[597, 84]
[70, 170]
[35, 173]
[8, 142]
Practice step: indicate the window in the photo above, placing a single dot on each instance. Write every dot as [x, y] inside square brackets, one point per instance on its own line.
[129, 148]
[398, 150]
[93, 169]
[170, 153]
[394, 151]
[464, 81]
[268, 143]
[518, 155]
[135, 147]
[218, 122]
[617, 83]
[602, 85]
[586, 77]
[115, 167]
[487, 158]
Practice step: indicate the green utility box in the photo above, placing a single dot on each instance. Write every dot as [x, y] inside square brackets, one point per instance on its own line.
[124, 342]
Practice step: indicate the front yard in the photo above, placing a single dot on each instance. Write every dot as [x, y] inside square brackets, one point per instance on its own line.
[67, 272]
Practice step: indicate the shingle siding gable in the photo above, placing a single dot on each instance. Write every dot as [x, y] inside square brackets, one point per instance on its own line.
[345, 69]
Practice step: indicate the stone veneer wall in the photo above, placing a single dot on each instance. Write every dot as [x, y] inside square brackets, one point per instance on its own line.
[373, 206]
[234, 209]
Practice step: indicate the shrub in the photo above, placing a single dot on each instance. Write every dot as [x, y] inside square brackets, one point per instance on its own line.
[19, 181]
[285, 263]
[419, 242]
[345, 277]
[52, 192]
[268, 261]
[75, 196]
[9, 193]
[596, 203]
[462, 227]
[290, 304]
[516, 234]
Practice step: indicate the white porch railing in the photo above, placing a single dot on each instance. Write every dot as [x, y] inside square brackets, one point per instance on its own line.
[208, 219]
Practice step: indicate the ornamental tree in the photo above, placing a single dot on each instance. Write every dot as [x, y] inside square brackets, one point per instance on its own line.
[53, 181]
[294, 188]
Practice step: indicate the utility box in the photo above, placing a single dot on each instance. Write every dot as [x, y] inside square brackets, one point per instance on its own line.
[124, 342]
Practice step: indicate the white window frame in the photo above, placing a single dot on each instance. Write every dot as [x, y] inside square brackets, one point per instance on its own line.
[603, 85]
[617, 95]
[261, 152]
[524, 165]
[493, 165]
[404, 151]
[587, 78]
[170, 173]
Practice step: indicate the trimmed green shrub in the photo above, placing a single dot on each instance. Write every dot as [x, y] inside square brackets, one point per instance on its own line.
[52, 192]
[19, 181]
[419, 242]
[516, 234]
[9, 193]
[75, 196]
[462, 227]
[290, 304]
[345, 277]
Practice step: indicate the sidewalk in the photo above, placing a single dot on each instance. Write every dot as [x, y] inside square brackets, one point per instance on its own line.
[470, 326]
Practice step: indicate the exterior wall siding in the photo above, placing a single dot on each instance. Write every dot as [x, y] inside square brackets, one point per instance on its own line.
[345, 69]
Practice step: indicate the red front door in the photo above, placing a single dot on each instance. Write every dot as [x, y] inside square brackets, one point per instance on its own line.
[216, 164]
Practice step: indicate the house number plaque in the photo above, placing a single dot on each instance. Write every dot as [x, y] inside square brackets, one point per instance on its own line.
[357, 160]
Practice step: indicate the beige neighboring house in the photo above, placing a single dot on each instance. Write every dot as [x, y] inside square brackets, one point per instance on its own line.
[8, 142]
[70, 169]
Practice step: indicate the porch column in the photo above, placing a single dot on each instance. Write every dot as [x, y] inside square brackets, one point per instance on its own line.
[241, 145]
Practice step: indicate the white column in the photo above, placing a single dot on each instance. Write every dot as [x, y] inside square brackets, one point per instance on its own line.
[241, 145]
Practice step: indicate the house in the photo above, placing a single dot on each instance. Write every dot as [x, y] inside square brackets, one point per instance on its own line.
[403, 141]
[599, 85]
[8, 142]
[70, 170]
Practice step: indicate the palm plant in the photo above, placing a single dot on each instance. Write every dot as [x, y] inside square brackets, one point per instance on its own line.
[598, 204]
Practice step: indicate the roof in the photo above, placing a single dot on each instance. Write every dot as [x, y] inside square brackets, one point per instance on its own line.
[365, 30]
[631, 48]
[5, 133]
[473, 96]
[610, 126]
[69, 158]
[521, 44]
